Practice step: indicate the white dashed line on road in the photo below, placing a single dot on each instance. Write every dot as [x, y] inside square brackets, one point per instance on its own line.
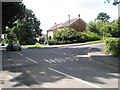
[20, 54]
[47, 60]
[31, 59]
[80, 80]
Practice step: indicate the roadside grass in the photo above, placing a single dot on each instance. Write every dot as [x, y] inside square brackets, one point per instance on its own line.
[95, 41]
[34, 46]
[41, 45]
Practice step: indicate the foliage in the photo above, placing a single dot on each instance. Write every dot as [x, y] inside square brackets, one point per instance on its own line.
[103, 17]
[65, 35]
[25, 30]
[41, 40]
[106, 29]
[37, 43]
[112, 46]
[52, 42]
[92, 27]
[88, 36]
[11, 11]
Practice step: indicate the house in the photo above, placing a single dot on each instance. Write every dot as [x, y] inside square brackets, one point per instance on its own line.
[77, 24]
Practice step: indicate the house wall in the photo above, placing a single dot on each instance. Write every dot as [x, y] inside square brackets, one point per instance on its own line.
[79, 25]
[50, 34]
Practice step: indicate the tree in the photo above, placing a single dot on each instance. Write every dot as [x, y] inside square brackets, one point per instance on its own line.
[92, 27]
[103, 17]
[25, 29]
[11, 11]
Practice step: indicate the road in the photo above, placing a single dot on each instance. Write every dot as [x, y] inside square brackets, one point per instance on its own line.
[68, 67]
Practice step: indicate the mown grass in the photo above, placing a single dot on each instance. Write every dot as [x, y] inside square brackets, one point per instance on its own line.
[41, 45]
[34, 46]
[95, 41]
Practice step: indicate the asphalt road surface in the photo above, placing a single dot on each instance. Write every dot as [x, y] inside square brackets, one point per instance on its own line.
[68, 67]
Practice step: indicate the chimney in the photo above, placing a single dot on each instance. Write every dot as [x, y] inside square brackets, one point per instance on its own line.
[79, 16]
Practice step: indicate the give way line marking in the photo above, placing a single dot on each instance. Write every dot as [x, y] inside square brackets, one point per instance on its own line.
[28, 58]
[80, 80]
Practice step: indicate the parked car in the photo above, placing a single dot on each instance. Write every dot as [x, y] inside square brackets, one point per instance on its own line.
[13, 46]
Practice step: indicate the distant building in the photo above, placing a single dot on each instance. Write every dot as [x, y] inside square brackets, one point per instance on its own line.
[77, 24]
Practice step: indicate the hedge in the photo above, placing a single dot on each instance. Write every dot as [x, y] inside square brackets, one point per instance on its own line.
[112, 46]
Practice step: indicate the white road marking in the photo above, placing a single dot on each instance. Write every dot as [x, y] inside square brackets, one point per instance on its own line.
[80, 80]
[58, 59]
[10, 77]
[61, 60]
[52, 60]
[20, 54]
[47, 60]
[31, 59]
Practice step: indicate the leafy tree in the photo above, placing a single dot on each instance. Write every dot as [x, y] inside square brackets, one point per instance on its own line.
[103, 17]
[11, 11]
[92, 27]
[26, 29]
[115, 29]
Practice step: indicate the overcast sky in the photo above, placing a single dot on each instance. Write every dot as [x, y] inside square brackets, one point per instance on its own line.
[51, 11]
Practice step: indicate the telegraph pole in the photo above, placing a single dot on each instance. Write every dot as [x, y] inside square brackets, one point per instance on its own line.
[69, 19]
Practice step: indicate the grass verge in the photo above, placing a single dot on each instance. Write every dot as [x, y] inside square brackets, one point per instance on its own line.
[95, 41]
[33, 46]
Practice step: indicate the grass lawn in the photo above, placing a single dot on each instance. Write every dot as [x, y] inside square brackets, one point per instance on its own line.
[33, 46]
[95, 41]
[41, 45]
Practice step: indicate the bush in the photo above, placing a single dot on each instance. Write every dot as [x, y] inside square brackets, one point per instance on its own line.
[37, 43]
[112, 46]
[41, 41]
[52, 42]
[88, 36]
[65, 35]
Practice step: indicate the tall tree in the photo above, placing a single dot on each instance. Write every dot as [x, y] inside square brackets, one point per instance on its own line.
[25, 29]
[103, 17]
[11, 11]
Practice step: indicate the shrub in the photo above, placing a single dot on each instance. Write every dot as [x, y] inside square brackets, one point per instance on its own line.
[112, 46]
[37, 43]
[65, 34]
[41, 41]
[52, 42]
[88, 36]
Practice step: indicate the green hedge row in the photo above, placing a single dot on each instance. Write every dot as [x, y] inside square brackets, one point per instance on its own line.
[87, 36]
[79, 37]
[112, 46]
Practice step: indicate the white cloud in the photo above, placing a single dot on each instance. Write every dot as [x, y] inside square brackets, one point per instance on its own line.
[51, 11]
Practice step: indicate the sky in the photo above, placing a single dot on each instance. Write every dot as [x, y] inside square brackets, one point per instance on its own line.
[50, 12]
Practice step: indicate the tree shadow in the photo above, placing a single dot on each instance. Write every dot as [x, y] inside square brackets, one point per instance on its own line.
[78, 65]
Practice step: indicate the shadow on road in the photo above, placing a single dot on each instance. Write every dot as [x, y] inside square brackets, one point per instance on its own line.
[80, 66]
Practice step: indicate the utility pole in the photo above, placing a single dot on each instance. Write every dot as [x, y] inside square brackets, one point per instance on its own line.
[69, 20]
